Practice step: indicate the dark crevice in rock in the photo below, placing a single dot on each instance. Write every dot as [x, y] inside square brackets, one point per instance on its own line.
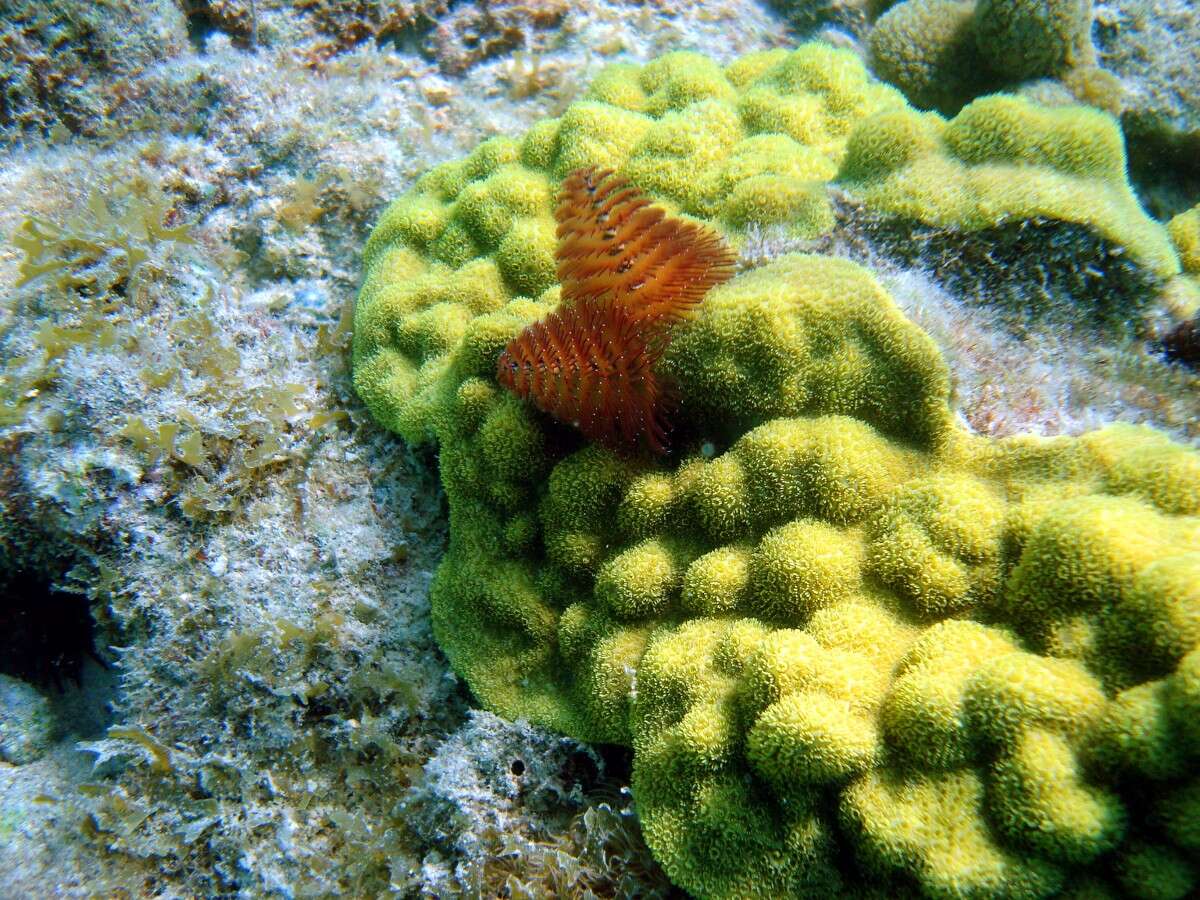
[1031, 271]
[1182, 343]
[46, 635]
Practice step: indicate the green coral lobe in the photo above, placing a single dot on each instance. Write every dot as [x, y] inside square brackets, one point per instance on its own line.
[853, 646]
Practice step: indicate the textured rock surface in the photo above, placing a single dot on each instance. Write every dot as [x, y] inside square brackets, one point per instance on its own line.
[1155, 50]
[66, 67]
[27, 725]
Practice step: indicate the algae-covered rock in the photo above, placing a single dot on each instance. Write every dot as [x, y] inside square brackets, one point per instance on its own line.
[1154, 49]
[27, 722]
[851, 644]
[808, 16]
[59, 59]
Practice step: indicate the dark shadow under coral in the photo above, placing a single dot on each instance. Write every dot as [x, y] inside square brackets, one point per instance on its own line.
[45, 635]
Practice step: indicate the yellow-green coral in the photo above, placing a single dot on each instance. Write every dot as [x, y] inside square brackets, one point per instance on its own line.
[927, 49]
[1002, 160]
[854, 647]
[942, 53]
[1030, 38]
[1185, 232]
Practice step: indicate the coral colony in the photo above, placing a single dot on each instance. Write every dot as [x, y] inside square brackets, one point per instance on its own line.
[851, 644]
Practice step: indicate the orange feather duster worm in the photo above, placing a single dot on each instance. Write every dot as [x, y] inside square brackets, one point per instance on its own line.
[628, 271]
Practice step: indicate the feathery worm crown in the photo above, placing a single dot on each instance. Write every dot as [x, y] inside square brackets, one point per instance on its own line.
[628, 270]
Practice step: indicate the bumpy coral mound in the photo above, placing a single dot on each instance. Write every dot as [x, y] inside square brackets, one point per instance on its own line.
[853, 647]
[943, 52]
[1005, 159]
[927, 49]
[753, 144]
[1029, 38]
[1028, 204]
